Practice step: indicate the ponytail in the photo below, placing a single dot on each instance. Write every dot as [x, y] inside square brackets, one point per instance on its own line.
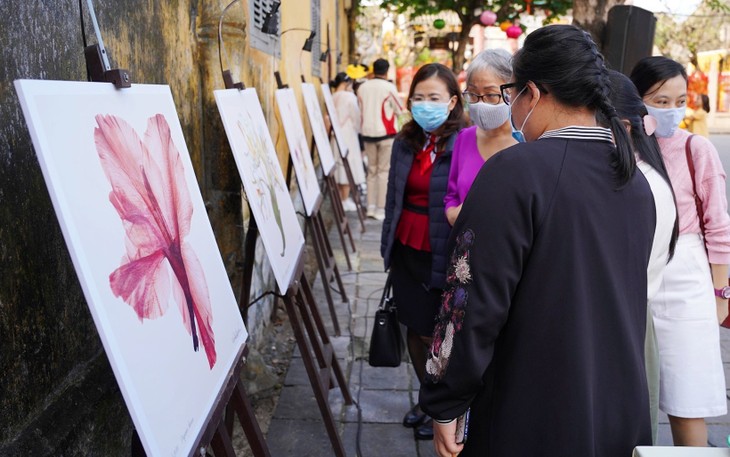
[565, 60]
[624, 163]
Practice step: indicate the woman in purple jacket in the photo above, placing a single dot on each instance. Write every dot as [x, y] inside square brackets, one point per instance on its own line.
[491, 131]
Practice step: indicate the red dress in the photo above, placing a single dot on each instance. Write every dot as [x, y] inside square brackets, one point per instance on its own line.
[412, 227]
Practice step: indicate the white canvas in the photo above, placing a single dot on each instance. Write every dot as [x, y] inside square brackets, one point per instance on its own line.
[329, 102]
[127, 200]
[301, 156]
[316, 121]
[263, 180]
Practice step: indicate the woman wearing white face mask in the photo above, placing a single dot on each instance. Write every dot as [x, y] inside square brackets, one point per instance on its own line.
[491, 131]
[685, 313]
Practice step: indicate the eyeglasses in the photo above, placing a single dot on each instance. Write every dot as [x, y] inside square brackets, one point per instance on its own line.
[491, 99]
[507, 89]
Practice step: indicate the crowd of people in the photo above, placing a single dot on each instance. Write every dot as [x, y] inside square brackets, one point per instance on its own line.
[558, 249]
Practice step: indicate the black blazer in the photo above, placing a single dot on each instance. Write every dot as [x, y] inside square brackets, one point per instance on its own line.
[543, 317]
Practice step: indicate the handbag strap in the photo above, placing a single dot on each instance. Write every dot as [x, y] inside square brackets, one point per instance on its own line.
[386, 291]
[691, 166]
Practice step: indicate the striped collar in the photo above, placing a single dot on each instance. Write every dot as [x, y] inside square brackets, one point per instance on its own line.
[579, 132]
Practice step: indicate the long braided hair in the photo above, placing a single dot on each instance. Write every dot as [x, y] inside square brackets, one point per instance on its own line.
[564, 61]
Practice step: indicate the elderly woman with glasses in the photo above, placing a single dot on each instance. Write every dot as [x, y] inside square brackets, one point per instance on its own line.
[491, 131]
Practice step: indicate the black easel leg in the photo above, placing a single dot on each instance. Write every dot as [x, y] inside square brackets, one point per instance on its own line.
[251, 428]
[221, 443]
[355, 194]
[325, 270]
[307, 301]
[331, 257]
[343, 227]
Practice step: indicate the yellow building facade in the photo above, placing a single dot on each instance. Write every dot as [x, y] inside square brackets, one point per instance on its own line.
[261, 55]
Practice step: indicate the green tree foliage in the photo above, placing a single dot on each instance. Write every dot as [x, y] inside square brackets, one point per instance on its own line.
[467, 12]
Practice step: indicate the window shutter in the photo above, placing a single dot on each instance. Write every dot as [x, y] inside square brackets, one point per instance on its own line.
[259, 40]
[319, 38]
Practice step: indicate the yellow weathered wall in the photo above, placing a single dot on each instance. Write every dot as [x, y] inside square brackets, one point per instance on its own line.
[58, 395]
[258, 68]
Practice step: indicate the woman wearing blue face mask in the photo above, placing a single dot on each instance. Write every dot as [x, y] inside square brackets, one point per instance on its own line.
[415, 229]
[491, 131]
[686, 311]
[541, 330]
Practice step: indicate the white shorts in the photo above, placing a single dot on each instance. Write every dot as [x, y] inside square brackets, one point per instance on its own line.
[692, 381]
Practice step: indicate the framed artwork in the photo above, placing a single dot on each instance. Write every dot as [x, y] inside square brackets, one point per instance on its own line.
[263, 181]
[316, 121]
[127, 200]
[329, 102]
[298, 148]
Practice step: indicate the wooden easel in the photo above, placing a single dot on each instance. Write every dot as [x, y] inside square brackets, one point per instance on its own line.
[233, 396]
[328, 270]
[323, 252]
[318, 355]
[330, 189]
[354, 189]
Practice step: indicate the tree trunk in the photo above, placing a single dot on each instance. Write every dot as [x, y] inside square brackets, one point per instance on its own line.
[352, 13]
[458, 59]
[591, 16]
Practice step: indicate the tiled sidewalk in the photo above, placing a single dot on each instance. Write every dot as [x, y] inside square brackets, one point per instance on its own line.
[384, 394]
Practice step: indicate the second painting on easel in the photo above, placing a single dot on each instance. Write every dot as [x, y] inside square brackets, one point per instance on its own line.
[263, 180]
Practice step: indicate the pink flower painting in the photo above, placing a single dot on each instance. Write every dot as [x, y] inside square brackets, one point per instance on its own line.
[150, 194]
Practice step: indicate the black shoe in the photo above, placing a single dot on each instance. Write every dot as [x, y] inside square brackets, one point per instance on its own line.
[425, 430]
[413, 417]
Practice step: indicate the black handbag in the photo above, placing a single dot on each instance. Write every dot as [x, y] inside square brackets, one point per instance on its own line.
[386, 342]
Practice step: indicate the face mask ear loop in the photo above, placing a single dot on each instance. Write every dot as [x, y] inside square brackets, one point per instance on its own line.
[529, 114]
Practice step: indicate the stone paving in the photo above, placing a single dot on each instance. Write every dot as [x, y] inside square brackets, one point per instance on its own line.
[383, 394]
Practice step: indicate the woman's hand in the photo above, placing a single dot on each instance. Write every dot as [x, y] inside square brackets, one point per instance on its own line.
[444, 439]
[452, 213]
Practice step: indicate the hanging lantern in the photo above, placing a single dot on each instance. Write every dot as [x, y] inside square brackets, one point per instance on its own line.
[488, 18]
[505, 25]
[513, 31]
[439, 24]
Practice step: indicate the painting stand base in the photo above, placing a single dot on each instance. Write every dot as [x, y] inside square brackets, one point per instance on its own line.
[328, 270]
[318, 355]
[233, 398]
